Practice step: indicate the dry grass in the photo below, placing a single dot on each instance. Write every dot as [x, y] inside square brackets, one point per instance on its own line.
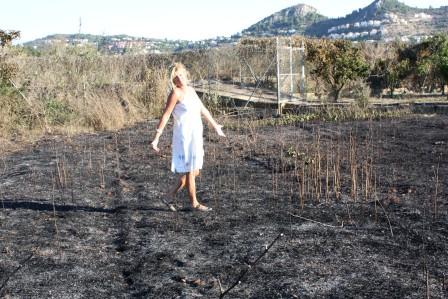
[72, 90]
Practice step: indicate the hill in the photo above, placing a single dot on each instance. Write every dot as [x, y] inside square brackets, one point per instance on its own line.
[122, 44]
[292, 20]
[114, 44]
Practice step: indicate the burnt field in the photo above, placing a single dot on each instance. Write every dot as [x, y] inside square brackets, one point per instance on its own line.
[352, 210]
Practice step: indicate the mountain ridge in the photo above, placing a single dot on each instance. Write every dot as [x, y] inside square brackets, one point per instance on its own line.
[380, 20]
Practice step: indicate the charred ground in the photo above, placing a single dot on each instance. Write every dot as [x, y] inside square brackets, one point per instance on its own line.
[81, 217]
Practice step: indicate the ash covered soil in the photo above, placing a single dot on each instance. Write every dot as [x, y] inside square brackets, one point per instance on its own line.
[82, 217]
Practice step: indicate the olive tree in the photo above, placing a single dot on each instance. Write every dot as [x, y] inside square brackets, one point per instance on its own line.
[431, 60]
[390, 70]
[441, 58]
[337, 63]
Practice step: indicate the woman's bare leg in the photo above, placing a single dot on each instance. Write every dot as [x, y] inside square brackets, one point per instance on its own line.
[196, 172]
[169, 196]
[191, 187]
[180, 184]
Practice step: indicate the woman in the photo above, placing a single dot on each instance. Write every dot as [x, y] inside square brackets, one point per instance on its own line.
[187, 145]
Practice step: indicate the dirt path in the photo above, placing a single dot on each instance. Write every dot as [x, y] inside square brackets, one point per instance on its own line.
[82, 217]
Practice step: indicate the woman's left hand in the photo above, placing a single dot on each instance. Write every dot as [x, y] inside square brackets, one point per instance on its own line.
[218, 129]
[155, 144]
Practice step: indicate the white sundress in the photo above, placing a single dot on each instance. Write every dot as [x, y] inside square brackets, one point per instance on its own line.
[187, 147]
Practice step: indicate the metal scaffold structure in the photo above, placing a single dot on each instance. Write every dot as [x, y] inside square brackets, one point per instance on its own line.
[290, 72]
[262, 71]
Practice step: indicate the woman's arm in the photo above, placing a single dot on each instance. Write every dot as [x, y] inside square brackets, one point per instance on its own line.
[169, 107]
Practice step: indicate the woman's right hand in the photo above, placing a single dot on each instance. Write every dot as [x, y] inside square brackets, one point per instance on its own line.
[155, 144]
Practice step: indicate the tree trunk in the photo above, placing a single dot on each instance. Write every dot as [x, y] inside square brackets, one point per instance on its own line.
[337, 93]
[391, 92]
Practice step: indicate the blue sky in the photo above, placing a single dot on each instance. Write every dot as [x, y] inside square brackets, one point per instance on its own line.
[172, 19]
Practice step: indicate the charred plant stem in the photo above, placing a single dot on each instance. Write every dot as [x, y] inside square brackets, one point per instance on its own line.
[14, 272]
[314, 221]
[250, 266]
[387, 216]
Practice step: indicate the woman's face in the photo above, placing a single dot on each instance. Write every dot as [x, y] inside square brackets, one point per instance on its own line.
[181, 79]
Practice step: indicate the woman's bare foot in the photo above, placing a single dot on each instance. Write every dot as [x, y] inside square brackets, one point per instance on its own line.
[201, 207]
[172, 207]
[168, 201]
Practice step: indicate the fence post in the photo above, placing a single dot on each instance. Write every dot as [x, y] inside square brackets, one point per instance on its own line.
[291, 78]
[302, 81]
[279, 105]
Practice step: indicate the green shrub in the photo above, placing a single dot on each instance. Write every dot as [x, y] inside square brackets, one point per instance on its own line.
[57, 112]
[15, 114]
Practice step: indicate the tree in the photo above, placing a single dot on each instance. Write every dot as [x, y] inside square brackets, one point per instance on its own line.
[390, 70]
[441, 58]
[424, 71]
[7, 37]
[430, 59]
[393, 72]
[7, 70]
[337, 62]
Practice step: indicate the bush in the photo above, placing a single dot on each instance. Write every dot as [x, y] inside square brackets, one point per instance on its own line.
[361, 93]
[15, 114]
[58, 113]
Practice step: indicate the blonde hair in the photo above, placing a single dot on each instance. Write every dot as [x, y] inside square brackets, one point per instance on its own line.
[177, 68]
